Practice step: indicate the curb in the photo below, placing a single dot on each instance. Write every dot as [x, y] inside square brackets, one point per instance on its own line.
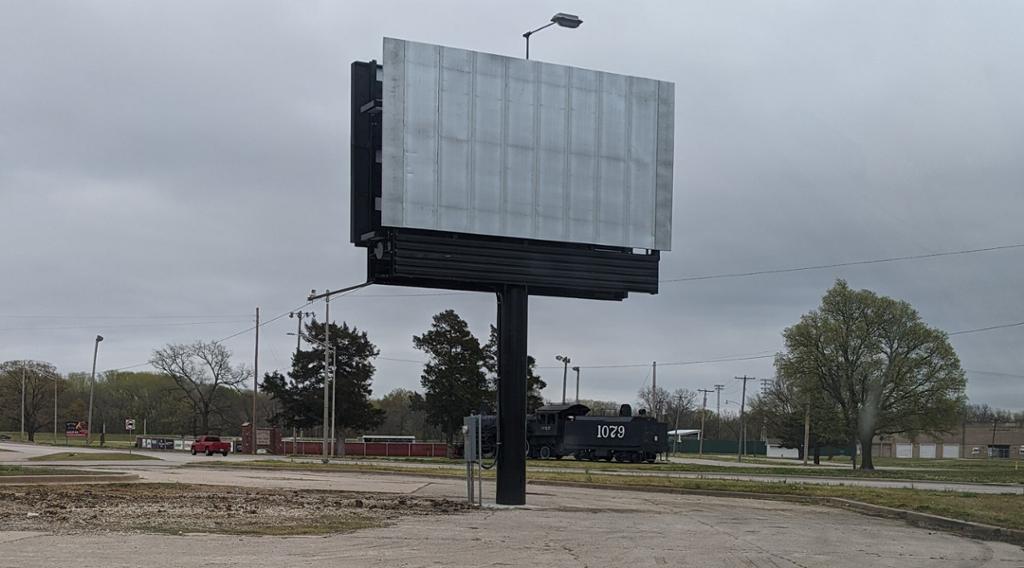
[58, 479]
[968, 529]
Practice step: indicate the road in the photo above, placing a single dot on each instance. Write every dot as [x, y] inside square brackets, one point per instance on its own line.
[18, 453]
[560, 527]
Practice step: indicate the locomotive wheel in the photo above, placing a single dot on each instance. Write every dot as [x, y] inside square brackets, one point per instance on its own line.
[545, 452]
[609, 456]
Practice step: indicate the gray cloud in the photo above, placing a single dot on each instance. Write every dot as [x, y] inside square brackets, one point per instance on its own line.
[191, 159]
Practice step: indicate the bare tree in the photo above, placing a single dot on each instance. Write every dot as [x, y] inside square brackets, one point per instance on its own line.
[654, 401]
[201, 371]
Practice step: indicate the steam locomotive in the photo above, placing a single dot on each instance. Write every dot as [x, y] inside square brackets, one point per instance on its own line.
[560, 430]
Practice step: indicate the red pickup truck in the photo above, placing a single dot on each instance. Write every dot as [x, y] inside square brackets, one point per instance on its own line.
[210, 445]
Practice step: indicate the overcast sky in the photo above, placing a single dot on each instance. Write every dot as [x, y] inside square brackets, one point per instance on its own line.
[166, 167]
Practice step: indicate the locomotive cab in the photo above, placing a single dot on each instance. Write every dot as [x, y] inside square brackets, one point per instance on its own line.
[546, 428]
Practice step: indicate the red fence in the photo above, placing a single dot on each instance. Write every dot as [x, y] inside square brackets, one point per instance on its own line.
[368, 449]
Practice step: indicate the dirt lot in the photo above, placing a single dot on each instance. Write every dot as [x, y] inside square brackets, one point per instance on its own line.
[185, 509]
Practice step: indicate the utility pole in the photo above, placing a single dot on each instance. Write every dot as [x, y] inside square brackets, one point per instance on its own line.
[328, 350]
[92, 387]
[807, 431]
[328, 378]
[741, 447]
[654, 388]
[766, 385]
[22, 437]
[703, 414]
[55, 379]
[577, 369]
[298, 335]
[718, 411]
[564, 360]
[255, 378]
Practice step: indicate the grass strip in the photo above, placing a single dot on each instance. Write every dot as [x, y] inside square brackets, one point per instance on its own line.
[1006, 511]
[91, 456]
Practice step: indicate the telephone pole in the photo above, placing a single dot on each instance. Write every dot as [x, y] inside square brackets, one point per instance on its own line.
[807, 431]
[654, 388]
[703, 414]
[255, 378]
[718, 411]
[741, 447]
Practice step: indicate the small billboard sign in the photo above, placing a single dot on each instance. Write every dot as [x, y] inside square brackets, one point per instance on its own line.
[76, 429]
[129, 424]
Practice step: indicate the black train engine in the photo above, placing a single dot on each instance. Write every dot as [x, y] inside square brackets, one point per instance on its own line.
[559, 430]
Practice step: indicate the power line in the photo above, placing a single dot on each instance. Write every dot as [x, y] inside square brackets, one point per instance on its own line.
[989, 328]
[996, 373]
[119, 326]
[841, 264]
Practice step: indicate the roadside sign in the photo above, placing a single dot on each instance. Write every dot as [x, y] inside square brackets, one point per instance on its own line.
[129, 424]
[76, 429]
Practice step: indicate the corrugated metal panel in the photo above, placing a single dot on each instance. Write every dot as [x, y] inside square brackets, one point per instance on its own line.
[493, 145]
[430, 259]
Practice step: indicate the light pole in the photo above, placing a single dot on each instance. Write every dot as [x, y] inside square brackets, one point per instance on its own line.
[577, 369]
[565, 372]
[22, 436]
[562, 19]
[92, 387]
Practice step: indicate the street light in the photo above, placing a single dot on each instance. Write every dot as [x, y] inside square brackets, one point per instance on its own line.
[564, 20]
[577, 369]
[92, 387]
[565, 372]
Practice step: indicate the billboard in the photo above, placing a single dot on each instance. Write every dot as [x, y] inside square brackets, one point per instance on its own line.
[77, 429]
[491, 145]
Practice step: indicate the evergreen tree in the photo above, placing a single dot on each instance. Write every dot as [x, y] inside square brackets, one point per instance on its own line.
[534, 384]
[301, 394]
[454, 379]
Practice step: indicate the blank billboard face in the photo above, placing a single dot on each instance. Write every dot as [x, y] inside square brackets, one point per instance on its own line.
[486, 144]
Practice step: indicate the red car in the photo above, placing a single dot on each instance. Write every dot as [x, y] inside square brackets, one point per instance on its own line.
[210, 445]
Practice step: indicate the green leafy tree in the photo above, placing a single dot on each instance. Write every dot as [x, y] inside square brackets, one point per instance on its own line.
[300, 395]
[454, 378]
[883, 368]
[534, 384]
[783, 409]
[39, 381]
[403, 416]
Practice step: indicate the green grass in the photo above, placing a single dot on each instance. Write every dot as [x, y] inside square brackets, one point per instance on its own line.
[956, 471]
[1000, 510]
[91, 456]
[111, 440]
[10, 470]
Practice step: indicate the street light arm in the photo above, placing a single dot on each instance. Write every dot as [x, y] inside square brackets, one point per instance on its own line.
[530, 33]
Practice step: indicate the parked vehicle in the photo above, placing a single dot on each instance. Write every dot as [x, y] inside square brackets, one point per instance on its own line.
[210, 445]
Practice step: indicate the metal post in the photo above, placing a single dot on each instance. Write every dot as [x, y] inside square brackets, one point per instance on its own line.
[255, 378]
[513, 311]
[92, 387]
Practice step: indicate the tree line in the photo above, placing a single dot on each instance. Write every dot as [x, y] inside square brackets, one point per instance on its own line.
[859, 366]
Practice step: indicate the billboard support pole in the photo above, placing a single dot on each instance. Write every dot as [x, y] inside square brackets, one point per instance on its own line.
[513, 307]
